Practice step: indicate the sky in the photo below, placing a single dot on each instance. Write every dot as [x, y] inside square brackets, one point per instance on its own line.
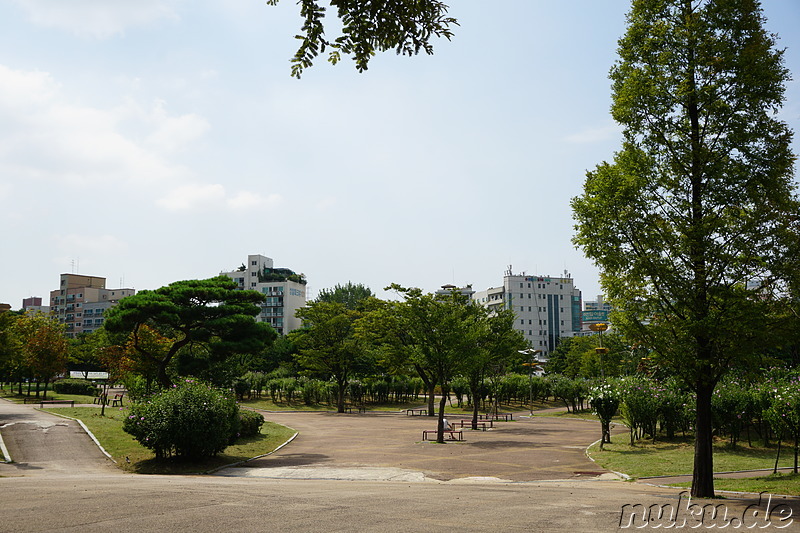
[160, 140]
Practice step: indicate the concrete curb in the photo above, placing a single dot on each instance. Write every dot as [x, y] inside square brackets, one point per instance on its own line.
[296, 433]
[624, 477]
[6, 455]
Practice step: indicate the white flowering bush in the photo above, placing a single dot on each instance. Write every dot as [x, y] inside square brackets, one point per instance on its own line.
[604, 399]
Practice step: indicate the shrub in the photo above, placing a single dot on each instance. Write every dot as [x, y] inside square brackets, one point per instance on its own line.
[250, 423]
[75, 386]
[604, 399]
[191, 420]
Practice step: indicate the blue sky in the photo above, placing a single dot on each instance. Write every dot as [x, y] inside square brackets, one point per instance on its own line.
[160, 140]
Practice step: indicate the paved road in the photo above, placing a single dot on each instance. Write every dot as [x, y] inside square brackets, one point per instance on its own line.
[39, 442]
[79, 492]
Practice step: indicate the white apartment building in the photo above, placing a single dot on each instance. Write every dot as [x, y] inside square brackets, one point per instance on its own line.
[547, 308]
[81, 301]
[285, 291]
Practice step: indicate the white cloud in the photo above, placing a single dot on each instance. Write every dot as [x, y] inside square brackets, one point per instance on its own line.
[593, 135]
[192, 197]
[198, 196]
[174, 133]
[44, 136]
[98, 18]
[248, 200]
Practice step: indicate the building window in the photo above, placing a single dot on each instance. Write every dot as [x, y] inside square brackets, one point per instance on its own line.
[254, 263]
[522, 321]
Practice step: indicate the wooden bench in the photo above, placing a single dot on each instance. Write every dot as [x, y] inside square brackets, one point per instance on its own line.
[56, 402]
[31, 400]
[497, 416]
[117, 401]
[358, 408]
[100, 400]
[455, 434]
[480, 424]
[416, 412]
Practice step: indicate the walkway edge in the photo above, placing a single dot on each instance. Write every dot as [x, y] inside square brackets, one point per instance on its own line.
[625, 477]
[91, 435]
[296, 433]
[6, 455]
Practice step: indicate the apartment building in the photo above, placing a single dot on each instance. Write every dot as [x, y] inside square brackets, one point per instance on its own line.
[80, 302]
[547, 308]
[284, 289]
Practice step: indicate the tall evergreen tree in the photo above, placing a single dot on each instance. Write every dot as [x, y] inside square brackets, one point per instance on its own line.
[694, 223]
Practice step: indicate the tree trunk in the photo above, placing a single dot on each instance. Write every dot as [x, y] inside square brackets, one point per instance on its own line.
[340, 396]
[431, 404]
[703, 475]
[440, 424]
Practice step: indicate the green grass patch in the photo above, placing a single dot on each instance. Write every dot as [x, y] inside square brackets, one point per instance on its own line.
[780, 483]
[18, 398]
[108, 431]
[676, 457]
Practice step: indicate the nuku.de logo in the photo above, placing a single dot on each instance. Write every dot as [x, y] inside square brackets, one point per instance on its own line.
[687, 514]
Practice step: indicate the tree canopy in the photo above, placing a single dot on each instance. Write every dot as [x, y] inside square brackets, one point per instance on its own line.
[327, 343]
[367, 27]
[351, 295]
[207, 318]
[694, 223]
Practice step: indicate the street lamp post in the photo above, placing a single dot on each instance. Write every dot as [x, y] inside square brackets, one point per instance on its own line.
[600, 327]
[533, 363]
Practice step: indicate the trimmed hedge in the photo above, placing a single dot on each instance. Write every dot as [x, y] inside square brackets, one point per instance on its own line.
[75, 386]
[250, 423]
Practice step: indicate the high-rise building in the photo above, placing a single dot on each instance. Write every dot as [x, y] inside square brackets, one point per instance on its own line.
[284, 289]
[547, 308]
[81, 301]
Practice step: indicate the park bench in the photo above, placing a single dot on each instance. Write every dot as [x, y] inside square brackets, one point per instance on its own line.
[56, 402]
[416, 412]
[497, 416]
[358, 408]
[480, 424]
[31, 400]
[101, 399]
[117, 401]
[455, 434]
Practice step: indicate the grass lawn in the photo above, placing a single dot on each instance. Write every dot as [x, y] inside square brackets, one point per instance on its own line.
[12, 395]
[676, 457]
[108, 430]
[780, 483]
